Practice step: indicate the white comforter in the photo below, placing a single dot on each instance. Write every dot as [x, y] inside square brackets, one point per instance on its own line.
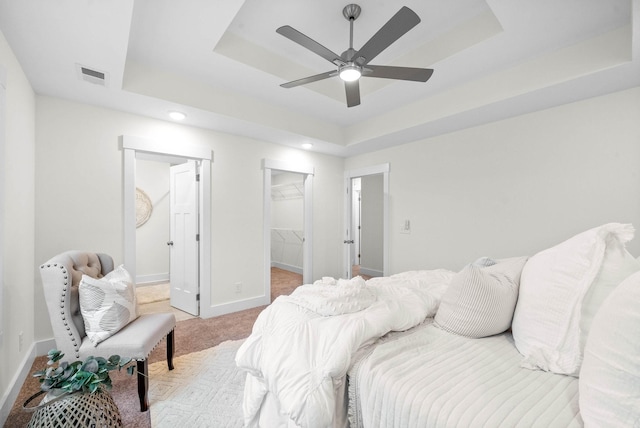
[299, 355]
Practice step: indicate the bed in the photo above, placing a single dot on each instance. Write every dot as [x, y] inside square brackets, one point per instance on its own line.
[549, 340]
[468, 383]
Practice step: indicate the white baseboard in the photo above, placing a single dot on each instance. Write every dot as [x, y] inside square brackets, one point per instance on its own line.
[290, 268]
[238, 305]
[151, 279]
[16, 383]
[370, 272]
[37, 348]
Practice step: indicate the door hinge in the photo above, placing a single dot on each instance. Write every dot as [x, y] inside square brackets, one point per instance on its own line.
[198, 237]
[197, 177]
[198, 297]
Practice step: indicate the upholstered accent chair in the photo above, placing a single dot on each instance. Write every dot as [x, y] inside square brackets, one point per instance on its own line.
[60, 279]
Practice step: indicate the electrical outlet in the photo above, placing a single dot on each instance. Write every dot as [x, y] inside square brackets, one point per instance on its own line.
[406, 227]
[238, 286]
[20, 340]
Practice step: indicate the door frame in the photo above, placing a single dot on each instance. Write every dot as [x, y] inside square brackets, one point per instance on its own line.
[268, 165]
[361, 172]
[133, 147]
[3, 111]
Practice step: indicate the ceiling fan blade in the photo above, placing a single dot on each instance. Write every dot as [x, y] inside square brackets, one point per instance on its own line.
[309, 79]
[395, 28]
[353, 93]
[305, 41]
[400, 73]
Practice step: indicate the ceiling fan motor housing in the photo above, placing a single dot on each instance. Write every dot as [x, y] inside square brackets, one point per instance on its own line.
[351, 12]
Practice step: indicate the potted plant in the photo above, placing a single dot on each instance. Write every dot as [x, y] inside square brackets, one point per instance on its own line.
[77, 393]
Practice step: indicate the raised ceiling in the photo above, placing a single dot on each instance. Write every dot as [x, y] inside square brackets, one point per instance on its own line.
[221, 62]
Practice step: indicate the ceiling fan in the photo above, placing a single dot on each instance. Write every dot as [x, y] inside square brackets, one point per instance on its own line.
[352, 64]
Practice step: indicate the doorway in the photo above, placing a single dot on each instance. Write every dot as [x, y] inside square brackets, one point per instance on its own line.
[366, 218]
[137, 148]
[367, 226]
[292, 244]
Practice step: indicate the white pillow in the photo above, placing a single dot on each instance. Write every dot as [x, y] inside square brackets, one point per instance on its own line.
[610, 376]
[480, 300]
[617, 265]
[107, 304]
[548, 317]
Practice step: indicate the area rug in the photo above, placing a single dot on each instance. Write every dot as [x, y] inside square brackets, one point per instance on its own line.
[204, 389]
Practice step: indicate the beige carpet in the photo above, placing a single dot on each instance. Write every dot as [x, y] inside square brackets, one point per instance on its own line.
[204, 390]
[152, 293]
[154, 299]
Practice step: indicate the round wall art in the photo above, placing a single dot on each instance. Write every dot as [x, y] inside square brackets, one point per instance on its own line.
[143, 207]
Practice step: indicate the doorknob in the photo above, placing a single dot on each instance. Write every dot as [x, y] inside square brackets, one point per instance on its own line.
[170, 243]
[349, 241]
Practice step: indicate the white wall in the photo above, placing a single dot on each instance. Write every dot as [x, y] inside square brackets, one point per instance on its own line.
[516, 186]
[79, 178]
[152, 251]
[18, 269]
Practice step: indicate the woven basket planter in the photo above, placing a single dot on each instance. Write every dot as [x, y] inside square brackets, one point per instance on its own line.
[75, 410]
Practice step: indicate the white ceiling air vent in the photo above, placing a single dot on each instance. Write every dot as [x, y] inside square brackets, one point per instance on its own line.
[92, 75]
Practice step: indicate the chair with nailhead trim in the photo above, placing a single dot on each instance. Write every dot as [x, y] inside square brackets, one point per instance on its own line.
[60, 279]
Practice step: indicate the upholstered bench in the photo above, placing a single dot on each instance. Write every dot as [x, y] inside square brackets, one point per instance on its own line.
[61, 277]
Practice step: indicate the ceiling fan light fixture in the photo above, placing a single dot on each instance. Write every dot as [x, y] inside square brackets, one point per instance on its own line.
[350, 73]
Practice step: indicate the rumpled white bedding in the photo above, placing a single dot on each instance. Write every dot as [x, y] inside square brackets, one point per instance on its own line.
[329, 296]
[301, 356]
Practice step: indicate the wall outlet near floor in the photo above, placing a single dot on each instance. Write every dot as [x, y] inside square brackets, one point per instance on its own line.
[20, 341]
[238, 287]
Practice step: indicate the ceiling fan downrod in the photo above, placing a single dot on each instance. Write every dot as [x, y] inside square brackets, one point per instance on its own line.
[351, 12]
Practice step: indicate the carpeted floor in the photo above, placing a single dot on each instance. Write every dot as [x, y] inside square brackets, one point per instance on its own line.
[191, 335]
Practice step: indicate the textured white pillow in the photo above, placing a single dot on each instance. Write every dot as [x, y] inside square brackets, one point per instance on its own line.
[554, 283]
[480, 300]
[610, 375]
[107, 304]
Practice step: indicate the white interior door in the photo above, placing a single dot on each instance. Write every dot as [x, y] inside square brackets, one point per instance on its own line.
[183, 270]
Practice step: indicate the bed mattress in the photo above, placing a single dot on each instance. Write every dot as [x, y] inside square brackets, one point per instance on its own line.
[430, 378]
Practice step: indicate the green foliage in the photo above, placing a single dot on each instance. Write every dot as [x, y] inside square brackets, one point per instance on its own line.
[87, 376]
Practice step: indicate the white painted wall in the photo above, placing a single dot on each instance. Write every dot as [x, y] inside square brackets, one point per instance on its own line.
[18, 269]
[80, 163]
[516, 186]
[152, 251]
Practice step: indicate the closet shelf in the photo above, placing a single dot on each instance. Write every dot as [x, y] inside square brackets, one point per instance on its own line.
[281, 192]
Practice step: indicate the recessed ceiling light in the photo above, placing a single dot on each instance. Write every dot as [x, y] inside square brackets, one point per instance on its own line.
[307, 145]
[177, 115]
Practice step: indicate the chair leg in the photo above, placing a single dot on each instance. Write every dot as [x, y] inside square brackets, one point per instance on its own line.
[170, 348]
[143, 384]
